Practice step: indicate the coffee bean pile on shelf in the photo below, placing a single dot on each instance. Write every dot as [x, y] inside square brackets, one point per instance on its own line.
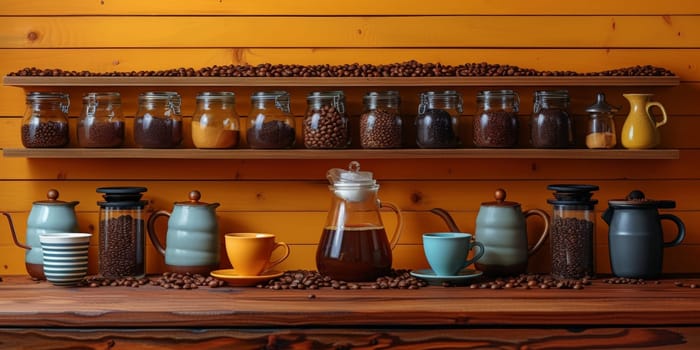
[168, 280]
[101, 134]
[497, 128]
[572, 247]
[305, 279]
[686, 285]
[380, 128]
[119, 255]
[399, 69]
[628, 280]
[434, 129]
[272, 134]
[530, 281]
[326, 127]
[45, 134]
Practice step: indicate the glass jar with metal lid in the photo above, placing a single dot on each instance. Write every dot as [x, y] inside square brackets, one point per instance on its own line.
[551, 125]
[496, 120]
[101, 121]
[158, 123]
[271, 124]
[215, 122]
[326, 125]
[381, 122]
[45, 121]
[437, 123]
[601, 126]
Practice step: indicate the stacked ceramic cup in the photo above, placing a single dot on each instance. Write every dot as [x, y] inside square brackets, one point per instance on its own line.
[65, 257]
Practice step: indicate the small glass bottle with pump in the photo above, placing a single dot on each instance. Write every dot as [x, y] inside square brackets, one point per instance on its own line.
[158, 123]
[381, 123]
[601, 126]
[326, 124]
[215, 121]
[551, 125]
[122, 239]
[101, 121]
[437, 123]
[271, 124]
[45, 121]
[572, 231]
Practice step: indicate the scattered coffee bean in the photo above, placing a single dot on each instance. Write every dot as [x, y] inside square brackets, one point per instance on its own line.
[626, 280]
[305, 279]
[168, 280]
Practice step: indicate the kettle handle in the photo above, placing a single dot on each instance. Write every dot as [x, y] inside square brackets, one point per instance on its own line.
[399, 222]
[152, 230]
[681, 229]
[12, 229]
[544, 233]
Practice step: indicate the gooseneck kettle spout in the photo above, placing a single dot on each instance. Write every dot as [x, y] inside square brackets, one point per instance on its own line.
[448, 219]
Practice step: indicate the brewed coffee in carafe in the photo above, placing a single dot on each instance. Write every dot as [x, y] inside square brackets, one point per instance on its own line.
[354, 245]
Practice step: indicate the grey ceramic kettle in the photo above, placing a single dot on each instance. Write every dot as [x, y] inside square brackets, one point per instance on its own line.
[635, 235]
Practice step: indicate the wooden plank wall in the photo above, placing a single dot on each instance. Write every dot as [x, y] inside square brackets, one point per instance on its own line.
[290, 198]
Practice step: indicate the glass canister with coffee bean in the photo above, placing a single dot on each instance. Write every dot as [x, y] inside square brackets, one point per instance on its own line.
[326, 124]
[45, 121]
[572, 231]
[122, 240]
[381, 123]
[551, 125]
[271, 124]
[158, 123]
[215, 123]
[101, 121]
[437, 123]
[496, 119]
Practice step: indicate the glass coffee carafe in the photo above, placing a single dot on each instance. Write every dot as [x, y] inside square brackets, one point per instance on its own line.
[354, 245]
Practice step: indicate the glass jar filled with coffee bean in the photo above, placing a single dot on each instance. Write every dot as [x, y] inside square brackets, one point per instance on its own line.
[45, 121]
[551, 125]
[271, 124]
[326, 124]
[381, 122]
[101, 121]
[572, 231]
[437, 123]
[496, 120]
[158, 123]
[122, 239]
[215, 121]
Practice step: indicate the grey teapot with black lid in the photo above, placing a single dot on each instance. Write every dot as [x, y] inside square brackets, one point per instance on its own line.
[636, 237]
[46, 216]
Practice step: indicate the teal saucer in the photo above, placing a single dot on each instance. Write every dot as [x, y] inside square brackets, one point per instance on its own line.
[460, 279]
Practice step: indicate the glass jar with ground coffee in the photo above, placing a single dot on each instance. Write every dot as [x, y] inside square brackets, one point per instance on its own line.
[496, 120]
[551, 125]
[381, 122]
[158, 123]
[215, 122]
[101, 121]
[601, 126]
[326, 125]
[271, 124]
[122, 238]
[437, 123]
[572, 231]
[45, 121]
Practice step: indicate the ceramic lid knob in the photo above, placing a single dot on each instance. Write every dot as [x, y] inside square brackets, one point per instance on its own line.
[500, 195]
[52, 195]
[195, 196]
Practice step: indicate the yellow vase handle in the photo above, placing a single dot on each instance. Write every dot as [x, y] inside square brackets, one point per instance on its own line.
[399, 222]
[663, 112]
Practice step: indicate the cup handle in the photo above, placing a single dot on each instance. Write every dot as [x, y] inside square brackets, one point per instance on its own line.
[399, 222]
[663, 112]
[681, 229]
[12, 230]
[152, 230]
[275, 262]
[544, 233]
[477, 255]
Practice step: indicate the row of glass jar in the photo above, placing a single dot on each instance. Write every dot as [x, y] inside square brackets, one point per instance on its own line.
[215, 123]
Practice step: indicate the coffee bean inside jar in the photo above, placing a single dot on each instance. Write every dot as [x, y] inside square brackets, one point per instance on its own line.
[101, 121]
[381, 123]
[437, 123]
[270, 122]
[496, 120]
[158, 123]
[551, 125]
[326, 125]
[45, 121]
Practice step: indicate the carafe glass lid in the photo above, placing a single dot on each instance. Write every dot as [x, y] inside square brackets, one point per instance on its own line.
[352, 177]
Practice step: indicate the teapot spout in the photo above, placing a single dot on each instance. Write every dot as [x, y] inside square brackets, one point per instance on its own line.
[607, 215]
[448, 219]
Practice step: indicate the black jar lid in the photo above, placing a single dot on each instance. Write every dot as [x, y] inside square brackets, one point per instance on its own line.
[122, 197]
[573, 194]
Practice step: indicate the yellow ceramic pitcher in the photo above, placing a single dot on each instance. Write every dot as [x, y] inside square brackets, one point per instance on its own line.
[640, 129]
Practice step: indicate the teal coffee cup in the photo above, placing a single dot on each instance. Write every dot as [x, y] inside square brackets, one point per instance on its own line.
[447, 252]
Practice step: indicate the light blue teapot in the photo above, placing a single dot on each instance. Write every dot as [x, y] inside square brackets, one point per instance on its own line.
[192, 239]
[46, 216]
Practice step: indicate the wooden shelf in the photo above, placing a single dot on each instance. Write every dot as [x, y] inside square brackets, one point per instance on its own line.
[464, 153]
[342, 82]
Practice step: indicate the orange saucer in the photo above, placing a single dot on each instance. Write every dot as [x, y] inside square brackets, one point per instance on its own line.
[236, 280]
